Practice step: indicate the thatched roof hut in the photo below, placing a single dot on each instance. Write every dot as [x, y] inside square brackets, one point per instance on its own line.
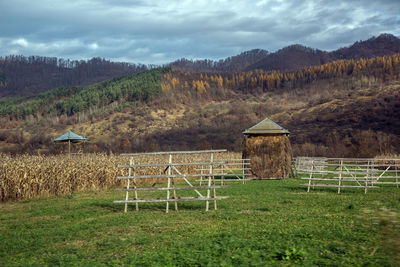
[68, 138]
[267, 145]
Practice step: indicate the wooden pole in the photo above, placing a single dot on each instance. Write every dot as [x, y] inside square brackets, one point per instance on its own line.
[213, 181]
[127, 187]
[176, 152]
[244, 172]
[209, 180]
[340, 175]
[187, 181]
[173, 181]
[283, 156]
[134, 183]
[311, 174]
[201, 172]
[169, 185]
[222, 177]
[69, 148]
[368, 176]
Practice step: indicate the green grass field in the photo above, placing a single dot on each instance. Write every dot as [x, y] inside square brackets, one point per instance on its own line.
[262, 223]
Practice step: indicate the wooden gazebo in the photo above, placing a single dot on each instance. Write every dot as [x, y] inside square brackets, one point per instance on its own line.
[70, 137]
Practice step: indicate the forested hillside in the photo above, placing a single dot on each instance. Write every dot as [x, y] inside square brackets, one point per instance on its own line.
[343, 108]
[193, 86]
[259, 81]
[71, 100]
[23, 76]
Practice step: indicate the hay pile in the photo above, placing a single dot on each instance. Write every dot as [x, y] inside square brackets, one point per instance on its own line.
[265, 152]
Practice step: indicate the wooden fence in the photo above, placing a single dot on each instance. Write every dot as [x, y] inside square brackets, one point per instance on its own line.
[210, 169]
[349, 172]
[231, 170]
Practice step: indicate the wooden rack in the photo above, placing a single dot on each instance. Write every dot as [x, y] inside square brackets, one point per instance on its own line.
[170, 174]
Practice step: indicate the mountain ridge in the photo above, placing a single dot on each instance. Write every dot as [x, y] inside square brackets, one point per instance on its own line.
[298, 56]
[23, 76]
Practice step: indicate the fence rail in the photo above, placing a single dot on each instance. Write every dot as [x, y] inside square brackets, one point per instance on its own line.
[209, 170]
[348, 172]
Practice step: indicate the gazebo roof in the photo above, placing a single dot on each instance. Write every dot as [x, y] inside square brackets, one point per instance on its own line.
[266, 126]
[69, 136]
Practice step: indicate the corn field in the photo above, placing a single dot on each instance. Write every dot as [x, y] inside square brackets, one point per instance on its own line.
[28, 176]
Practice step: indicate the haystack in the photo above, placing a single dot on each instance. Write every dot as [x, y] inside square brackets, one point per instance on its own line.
[267, 145]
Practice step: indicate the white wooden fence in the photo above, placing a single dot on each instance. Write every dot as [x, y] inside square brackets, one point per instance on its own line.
[350, 173]
[236, 170]
[210, 168]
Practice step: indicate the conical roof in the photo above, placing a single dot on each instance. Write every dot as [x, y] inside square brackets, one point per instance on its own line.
[266, 126]
[69, 136]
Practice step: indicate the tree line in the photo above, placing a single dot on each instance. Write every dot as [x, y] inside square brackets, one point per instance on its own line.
[256, 82]
[21, 76]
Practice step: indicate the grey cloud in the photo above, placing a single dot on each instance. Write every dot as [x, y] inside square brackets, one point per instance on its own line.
[161, 31]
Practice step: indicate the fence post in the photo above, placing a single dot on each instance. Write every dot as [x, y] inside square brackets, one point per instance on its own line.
[311, 175]
[209, 180]
[201, 172]
[135, 184]
[224, 169]
[340, 175]
[244, 171]
[213, 181]
[368, 176]
[173, 181]
[169, 184]
[127, 186]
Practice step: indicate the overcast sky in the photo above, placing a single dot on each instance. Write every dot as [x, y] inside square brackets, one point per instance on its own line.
[156, 32]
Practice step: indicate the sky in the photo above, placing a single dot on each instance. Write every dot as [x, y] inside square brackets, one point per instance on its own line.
[158, 32]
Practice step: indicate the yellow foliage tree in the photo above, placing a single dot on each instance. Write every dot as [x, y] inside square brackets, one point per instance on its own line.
[220, 82]
[200, 87]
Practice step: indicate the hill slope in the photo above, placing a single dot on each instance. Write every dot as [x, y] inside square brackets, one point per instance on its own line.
[24, 76]
[342, 108]
[236, 63]
[384, 44]
[71, 100]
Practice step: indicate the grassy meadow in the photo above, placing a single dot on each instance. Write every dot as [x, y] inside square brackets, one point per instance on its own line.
[262, 223]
